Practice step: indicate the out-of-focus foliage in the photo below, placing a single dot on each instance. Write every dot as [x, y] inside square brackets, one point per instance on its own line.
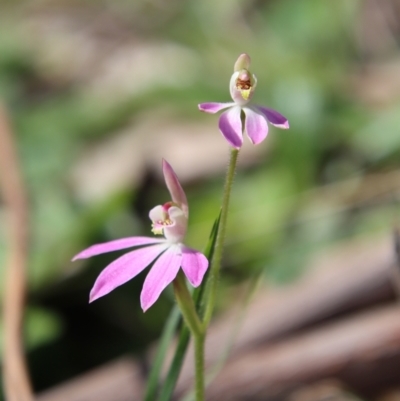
[100, 91]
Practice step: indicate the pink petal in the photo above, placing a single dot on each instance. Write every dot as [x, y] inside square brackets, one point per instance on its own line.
[174, 187]
[230, 125]
[274, 117]
[256, 125]
[161, 274]
[124, 268]
[194, 265]
[213, 108]
[116, 245]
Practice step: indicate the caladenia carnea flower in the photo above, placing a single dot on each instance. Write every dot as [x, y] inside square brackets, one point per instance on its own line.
[169, 254]
[242, 86]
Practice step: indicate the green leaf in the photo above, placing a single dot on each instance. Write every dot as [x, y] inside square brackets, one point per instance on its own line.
[169, 330]
[176, 365]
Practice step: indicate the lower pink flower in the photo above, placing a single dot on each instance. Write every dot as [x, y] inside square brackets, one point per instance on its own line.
[168, 254]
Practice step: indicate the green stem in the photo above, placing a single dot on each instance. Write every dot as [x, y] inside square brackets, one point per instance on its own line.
[199, 366]
[184, 335]
[188, 308]
[219, 244]
[183, 297]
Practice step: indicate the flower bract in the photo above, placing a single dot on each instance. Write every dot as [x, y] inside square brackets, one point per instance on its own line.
[255, 118]
[169, 254]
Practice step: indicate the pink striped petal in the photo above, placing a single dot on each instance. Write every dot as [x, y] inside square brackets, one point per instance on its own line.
[274, 117]
[256, 125]
[194, 265]
[213, 108]
[124, 269]
[174, 187]
[116, 245]
[230, 125]
[161, 274]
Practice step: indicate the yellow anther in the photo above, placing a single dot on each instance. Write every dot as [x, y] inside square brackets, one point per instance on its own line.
[158, 226]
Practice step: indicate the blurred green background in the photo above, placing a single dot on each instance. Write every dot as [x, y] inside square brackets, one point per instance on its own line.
[100, 91]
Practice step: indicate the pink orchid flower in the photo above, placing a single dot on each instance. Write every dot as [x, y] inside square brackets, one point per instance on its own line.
[242, 86]
[168, 254]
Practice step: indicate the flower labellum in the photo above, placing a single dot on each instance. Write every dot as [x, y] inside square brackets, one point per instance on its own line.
[241, 87]
[169, 254]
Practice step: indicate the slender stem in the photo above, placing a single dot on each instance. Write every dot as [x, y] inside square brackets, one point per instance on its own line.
[185, 301]
[219, 244]
[199, 366]
[184, 335]
[187, 306]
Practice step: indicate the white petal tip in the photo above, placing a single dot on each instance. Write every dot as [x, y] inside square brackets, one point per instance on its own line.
[283, 126]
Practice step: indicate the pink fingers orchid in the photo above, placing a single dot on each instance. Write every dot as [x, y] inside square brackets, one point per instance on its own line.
[169, 254]
[242, 86]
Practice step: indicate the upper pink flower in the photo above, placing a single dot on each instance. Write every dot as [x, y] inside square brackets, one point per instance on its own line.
[168, 253]
[242, 86]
